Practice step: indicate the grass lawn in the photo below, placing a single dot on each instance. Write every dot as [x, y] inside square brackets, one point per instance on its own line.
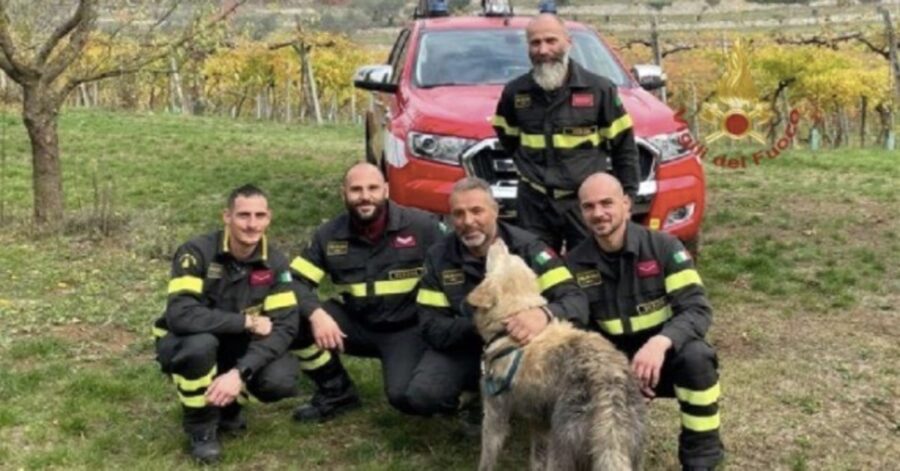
[800, 257]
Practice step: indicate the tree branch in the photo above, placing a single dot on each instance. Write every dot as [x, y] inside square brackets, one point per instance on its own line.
[9, 60]
[81, 14]
[85, 17]
[678, 48]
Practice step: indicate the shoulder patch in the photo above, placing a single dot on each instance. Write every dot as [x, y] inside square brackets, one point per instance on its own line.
[214, 272]
[336, 247]
[285, 277]
[544, 256]
[187, 260]
[681, 256]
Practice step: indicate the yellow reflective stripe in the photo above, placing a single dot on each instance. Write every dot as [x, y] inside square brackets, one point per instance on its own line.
[554, 277]
[535, 141]
[638, 323]
[245, 398]
[500, 122]
[189, 385]
[700, 423]
[310, 365]
[395, 286]
[280, 300]
[357, 290]
[428, 297]
[681, 279]
[158, 333]
[565, 141]
[189, 283]
[307, 352]
[617, 126]
[193, 401]
[698, 398]
[307, 269]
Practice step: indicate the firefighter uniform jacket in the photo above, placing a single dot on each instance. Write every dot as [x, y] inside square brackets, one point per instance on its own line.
[451, 272]
[557, 139]
[210, 292]
[653, 289]
[376, 281]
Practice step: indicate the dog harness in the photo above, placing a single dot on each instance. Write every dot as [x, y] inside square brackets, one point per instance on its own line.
[496, 385]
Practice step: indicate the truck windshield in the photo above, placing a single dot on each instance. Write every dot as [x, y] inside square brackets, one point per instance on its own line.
[494, 57]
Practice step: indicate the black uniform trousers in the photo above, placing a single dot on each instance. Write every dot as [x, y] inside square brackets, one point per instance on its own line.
[554, 220]
[399, 348]
[195, 360]
[441, 376]
[691, 376]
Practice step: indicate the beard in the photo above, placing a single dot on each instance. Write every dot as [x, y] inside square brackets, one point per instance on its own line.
[365, 218]
[551, 74]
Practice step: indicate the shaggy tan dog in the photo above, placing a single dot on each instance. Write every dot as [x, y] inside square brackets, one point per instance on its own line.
[574, 389]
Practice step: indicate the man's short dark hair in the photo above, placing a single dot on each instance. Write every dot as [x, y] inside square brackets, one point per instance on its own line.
[248, 190]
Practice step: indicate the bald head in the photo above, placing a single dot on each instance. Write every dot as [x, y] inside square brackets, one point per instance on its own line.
[361, 169]
[546, 22]
[601, 182]
[605, 209]
[365, 192]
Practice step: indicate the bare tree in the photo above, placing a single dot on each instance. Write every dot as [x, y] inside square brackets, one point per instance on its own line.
[45, 61]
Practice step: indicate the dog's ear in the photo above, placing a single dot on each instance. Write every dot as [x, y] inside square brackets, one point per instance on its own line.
[483, 295]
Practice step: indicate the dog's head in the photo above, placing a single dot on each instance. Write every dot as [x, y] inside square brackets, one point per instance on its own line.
[509, 287]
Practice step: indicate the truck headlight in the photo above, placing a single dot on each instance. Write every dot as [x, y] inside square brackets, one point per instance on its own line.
[672, 146]
[444, 149]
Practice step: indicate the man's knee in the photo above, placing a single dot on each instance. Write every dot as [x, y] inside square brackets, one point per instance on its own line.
[276, 381]
[424, 398]
[192, 355]
[696, 358]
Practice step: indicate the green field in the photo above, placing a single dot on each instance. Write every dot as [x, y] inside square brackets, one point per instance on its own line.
[800, 257]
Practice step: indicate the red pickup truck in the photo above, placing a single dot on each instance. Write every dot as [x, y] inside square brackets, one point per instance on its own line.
[434, 100]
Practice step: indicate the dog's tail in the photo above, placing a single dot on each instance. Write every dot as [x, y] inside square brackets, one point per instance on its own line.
[618, 426]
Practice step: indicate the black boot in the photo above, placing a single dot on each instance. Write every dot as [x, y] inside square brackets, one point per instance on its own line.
[231, 419]
[334, 395]
[205, 446]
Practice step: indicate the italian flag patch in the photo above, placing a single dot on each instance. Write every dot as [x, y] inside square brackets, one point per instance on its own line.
[544, 256]
[681, 256]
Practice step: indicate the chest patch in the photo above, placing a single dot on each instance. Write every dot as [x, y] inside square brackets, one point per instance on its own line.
[261, 277]
[582, 100]
[588, 278]
[214, 272]
[580, 131]
[522, 100]
[406, 273]
[452, 277]
[651, 306]
[336, 247]
[647, 268]
[404, 241]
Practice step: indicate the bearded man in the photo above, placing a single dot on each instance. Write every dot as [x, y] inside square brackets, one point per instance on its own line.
[561, 123]
[373, 254]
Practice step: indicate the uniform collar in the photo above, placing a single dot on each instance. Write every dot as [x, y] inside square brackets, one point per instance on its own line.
[260, 254]
[632, 238]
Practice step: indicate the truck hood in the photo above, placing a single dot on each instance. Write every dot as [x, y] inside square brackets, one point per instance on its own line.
[466, 111]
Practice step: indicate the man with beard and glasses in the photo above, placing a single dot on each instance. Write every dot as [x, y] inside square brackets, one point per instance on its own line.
[373, 254]
[646, 297]
[561, 123]
[453, 268]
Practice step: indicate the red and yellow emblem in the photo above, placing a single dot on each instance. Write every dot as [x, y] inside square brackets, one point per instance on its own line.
[735, 109]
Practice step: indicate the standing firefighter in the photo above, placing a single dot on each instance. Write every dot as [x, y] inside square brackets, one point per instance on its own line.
[646, 297]
[230, 317]
[373, 254]
[561, 123]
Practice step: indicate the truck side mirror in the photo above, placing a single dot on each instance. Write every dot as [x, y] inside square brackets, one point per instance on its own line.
[649, 76]
[374, 78]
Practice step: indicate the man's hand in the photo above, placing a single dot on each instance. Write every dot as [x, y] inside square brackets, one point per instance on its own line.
[258, 325]
[224, 389]
[647, 363]
[525, 325]
[326, 331]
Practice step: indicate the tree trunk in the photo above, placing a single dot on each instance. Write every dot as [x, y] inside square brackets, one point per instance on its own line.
[40, 117]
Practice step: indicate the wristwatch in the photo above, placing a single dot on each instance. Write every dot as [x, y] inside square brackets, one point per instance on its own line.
[246, 373]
